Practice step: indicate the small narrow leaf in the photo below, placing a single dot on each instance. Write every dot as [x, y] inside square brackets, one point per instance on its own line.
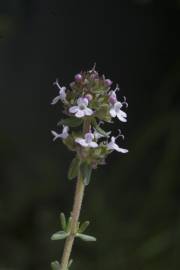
[59, 235]
[86, 237]
[63, 221]
[86, 171]
[55, 265]
[100, 130]
[71, 122]
[83, 227]
[73, 168]
[69, 224]
[70, 263]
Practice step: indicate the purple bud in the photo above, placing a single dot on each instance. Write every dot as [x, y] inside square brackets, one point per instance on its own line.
[108, 82]
[89, 97]
[78, 77]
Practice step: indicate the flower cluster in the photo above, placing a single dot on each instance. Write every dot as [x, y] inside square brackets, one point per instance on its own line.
[89, 102]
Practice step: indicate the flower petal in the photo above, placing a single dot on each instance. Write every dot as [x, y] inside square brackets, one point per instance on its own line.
[110, 146]
[62, 90]
[62, 95]
[64, 135]
[114, 146]
[121, 118]
[117, 106]
[118, 149]
[81, 142]
[93, 144]
[88, 111]
[73, 109]
[65, 129]
[112, 112]
[56, 135]
[55, 100]
[89, 137]
[79, 113]
[122, 150]
[123, 113]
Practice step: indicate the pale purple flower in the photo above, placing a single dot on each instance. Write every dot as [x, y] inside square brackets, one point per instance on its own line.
[63, 135]
[115, 106]
[62, 93]
[87, 141]
[81, 109]
[115, 110]
[113, 146]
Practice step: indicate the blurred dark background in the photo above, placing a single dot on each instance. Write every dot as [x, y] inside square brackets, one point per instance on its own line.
[133, 202]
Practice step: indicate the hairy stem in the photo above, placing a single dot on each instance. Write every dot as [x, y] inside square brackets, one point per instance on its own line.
[78, 198]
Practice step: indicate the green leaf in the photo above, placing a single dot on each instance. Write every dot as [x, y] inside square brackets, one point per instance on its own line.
[86, 171]
[73, 168]
[60, 235]
[86, 237]
[63, 221]
[55, 265]
[83, 227]
[71, 122]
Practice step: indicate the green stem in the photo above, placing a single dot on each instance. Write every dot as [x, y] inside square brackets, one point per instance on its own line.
[78, 198]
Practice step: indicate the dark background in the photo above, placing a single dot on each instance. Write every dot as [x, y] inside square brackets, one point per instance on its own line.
[133, 202]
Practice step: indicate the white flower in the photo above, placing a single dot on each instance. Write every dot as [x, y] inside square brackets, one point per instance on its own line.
[115, 110]
[62, 135]
[87, 141]
[81, 109]
[113, 146]
[62, 93]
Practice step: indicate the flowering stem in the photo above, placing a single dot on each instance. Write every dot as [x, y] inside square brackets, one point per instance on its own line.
[78, 198]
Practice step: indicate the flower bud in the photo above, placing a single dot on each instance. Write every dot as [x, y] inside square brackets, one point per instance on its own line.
[78, 77]
[108, 82]
[89, 97]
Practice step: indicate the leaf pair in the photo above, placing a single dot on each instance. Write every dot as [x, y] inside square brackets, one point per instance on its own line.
[64, 233]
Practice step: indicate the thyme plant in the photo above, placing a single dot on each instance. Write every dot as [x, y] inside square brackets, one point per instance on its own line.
[88, 103]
